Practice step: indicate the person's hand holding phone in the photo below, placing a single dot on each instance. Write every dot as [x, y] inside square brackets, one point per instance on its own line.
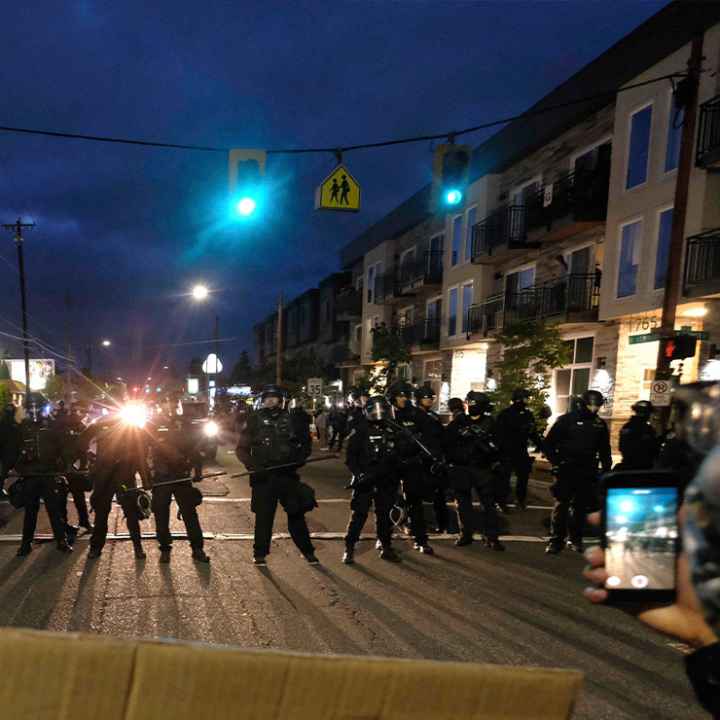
[682, 619]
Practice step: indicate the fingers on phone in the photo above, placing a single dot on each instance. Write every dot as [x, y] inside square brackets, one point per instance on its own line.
[595, 595]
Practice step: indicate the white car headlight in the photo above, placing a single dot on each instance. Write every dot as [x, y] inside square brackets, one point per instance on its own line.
[211, 429]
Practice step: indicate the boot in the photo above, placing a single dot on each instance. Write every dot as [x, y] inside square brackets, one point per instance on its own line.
[165, 556]
[88, 526]
[199, 555]
[554, 548]
[139, 552]
[311, 557]
[495, 544]
[259, 560]
[63, 547]
[424, 548]
[94, 553]
[24, 550]
[71, 532]
[576, 546]
[464, 539]
[349, 555]
[387, 553]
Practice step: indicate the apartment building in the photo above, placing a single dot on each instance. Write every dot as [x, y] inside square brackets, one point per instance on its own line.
[648, 129]
[318, 321]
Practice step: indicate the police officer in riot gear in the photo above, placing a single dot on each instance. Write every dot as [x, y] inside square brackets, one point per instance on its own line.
[413, 477]
[372, 457]
[121, 453]
[175, 456]
[480, 411]
[515, 428]
[431, 433]
[576, 443]
[638, 440]
[10, 444]
[273, 436]
[39, 467]
[356, 413]
[472, 454]
[70, 427]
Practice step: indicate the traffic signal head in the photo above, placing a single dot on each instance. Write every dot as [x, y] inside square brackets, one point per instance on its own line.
[246, 169]
[451, 165]
[679, 347]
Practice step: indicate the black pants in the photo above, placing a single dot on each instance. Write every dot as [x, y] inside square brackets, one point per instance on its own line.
[336, 434]
[45, 488]
[575, 492]
[267, 490]
[101, 500]
[184, 496]
[464, 480]
[415, 484]
[360, 504]
[76, 489]
[520, 464]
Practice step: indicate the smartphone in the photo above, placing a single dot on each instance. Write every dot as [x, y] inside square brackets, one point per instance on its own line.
[640, 535]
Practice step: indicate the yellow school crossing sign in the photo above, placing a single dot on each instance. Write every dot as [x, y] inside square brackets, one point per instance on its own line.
[338, 191]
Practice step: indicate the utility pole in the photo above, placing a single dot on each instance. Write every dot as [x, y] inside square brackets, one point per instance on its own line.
[673, 282]
[18, 226]
[279, 355]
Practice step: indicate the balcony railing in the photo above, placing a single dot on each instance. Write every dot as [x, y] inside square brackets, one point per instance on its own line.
[581, 195]
[708, 144]
[423, 332]
[702, 263]
[506, 226]
[425, 270]
[574, 296]
[348, 303]
[487, 316]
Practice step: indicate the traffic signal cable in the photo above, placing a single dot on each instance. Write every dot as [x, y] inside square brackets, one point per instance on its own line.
[339, 149]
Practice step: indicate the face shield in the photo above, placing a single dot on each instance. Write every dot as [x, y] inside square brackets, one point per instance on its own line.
[270, 402]
[427, 402]
[400, 401]
[378, 410]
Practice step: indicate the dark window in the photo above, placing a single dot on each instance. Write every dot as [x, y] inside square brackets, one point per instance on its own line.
[639, 149]
[663, 247]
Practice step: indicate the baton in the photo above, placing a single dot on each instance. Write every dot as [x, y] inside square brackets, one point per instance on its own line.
[175, 482]
[278, 467]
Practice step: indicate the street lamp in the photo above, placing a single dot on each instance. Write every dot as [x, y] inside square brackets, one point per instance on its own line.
[200, 293]
[106, 343]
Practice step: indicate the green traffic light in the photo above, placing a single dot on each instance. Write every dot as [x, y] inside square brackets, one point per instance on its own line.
[453, 197]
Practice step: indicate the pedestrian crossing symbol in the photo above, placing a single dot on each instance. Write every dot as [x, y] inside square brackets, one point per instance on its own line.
[338, 191]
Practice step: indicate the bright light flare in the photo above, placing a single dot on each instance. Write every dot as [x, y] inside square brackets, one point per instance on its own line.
[200, 292]
[134, 414]
[211, 429]
[106, 343]
[245, 206]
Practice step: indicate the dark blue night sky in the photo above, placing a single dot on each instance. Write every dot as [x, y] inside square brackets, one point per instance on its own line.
[127, 230]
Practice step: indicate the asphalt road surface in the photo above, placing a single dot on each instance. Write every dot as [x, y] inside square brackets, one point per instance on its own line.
[520, 607]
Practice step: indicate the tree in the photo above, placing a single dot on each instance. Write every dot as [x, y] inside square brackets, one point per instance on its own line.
[5, 394]
[531, 350]
[4, 371]
[389, 347]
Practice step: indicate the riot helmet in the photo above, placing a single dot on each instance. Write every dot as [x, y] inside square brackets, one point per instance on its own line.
[478, 403]
[520, 396]
[643, 409]
[378, 408]
[696, 409]
[425, 397]
[273, 396]
[592, 401]
[399, 393]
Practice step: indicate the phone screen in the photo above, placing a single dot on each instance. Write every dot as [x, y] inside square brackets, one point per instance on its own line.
[641, 533]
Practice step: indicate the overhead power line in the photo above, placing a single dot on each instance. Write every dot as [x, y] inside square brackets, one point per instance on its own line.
[337, 148]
